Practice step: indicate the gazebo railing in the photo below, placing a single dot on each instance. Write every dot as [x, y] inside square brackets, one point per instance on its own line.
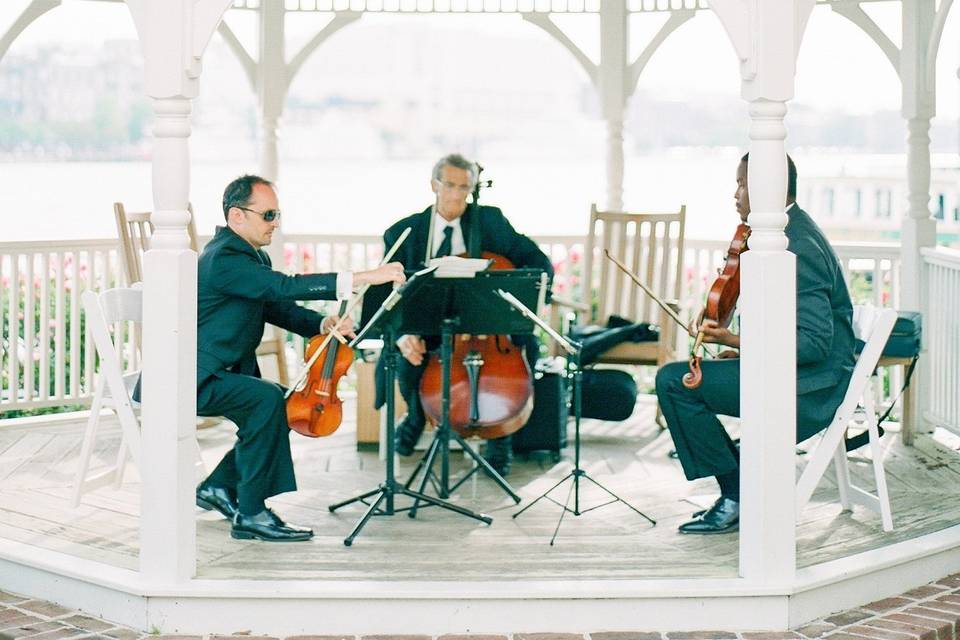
[46, 361]
[941, 328]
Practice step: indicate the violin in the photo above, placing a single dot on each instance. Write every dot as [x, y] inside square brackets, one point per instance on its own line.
[491, 389]
[313, 407]
[315, 410]
[721, 301]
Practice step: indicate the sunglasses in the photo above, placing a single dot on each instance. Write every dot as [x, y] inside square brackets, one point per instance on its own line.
[268, 216]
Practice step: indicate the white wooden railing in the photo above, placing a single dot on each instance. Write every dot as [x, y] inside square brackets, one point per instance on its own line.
[46, 360]
[941, 328]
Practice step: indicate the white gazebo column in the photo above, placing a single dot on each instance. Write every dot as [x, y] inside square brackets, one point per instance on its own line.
[766, 36]
[613, 80]
[271, 77]
[173, 34]
[919, 229]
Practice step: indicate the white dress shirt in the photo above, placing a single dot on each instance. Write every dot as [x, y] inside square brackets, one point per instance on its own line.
[458, 245]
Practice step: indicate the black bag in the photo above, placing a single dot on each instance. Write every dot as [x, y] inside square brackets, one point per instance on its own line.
[904, 340]
[546, 430]
[607, 394]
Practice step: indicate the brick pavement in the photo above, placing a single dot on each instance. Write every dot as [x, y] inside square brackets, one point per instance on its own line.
[930, 612]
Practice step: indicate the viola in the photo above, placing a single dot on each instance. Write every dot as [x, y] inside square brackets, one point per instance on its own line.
[491, 389]
[314, 409]
[721, 301]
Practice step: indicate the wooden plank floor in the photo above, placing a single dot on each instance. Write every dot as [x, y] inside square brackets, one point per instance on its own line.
[612, 542]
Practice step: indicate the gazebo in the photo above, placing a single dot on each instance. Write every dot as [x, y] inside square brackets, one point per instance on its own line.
[770, 590]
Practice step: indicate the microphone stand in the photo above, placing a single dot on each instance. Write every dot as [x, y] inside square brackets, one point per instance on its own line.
[576, 474]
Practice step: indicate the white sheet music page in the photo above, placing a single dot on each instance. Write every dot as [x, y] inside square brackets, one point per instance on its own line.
[457, 267]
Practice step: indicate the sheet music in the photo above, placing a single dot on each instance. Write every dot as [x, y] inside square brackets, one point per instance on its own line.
[457, 267]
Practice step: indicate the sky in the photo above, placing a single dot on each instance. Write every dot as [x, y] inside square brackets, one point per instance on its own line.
[839, 67]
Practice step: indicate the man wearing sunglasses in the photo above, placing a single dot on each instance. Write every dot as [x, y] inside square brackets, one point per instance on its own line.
[237, 292]
[456, 229]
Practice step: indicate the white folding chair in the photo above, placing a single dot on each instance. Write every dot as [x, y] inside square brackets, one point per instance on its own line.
[873, 326]
[114, 388]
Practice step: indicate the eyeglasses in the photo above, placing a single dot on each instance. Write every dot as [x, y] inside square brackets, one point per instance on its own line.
[449, 186]
[268, 216]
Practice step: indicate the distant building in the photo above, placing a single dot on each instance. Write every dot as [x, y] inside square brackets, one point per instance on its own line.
[864, 197]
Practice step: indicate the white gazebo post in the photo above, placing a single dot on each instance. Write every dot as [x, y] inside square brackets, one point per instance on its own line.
[173, 34]
[922, 27]
[615, 78]
[766, 36]
[917, 61]
[270, 77]
[614, 43]
[271, 95]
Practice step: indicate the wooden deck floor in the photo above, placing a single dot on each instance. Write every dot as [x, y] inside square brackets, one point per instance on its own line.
[37, 463]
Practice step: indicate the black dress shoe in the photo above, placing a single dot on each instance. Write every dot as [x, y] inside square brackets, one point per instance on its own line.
[722, 517]
[499, 454]
[406, 437]
[219, 498]
[268, 527]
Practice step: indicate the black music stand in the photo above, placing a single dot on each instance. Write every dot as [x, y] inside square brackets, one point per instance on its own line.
[575, 371]
[386, 321]
[446, 306]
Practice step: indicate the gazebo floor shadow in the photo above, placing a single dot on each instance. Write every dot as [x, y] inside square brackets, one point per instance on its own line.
[611, 543]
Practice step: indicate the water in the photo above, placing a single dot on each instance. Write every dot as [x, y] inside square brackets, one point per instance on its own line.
[73, 200]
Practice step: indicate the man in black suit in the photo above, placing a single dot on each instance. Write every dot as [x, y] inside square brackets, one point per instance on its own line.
[825, 361]
[237, 292]
[456, 229]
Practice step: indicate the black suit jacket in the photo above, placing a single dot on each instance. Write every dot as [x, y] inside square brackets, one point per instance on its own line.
[237, 292]
[484, 229]
[825, 342]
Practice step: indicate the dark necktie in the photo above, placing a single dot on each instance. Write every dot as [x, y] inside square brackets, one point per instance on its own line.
[447, 244]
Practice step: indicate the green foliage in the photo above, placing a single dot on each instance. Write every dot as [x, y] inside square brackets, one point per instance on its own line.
[13, 339]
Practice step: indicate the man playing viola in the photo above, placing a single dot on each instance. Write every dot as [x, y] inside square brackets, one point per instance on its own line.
[456, 229]
[237, 292]
[825, 361]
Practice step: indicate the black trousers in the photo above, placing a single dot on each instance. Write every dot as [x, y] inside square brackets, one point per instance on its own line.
[702, 444]
[259, 465]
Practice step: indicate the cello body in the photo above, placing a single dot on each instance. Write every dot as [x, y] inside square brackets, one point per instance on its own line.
[491, 386]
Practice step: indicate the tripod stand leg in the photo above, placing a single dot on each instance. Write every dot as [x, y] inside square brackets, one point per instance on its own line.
[484, 465]
[564, 512]
[427, 470]
[422, 497]
[366, 516]
[619, 499]
[544, 494]
[359, 498]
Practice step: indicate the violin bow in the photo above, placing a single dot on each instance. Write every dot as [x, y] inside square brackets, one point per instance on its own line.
[334, 330]
[663, 305]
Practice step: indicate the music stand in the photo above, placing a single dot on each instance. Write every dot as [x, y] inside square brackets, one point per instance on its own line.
[573, 349]
[449, 305]
[386, 321]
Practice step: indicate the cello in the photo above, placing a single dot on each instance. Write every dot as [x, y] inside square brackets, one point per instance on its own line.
[491, 388]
